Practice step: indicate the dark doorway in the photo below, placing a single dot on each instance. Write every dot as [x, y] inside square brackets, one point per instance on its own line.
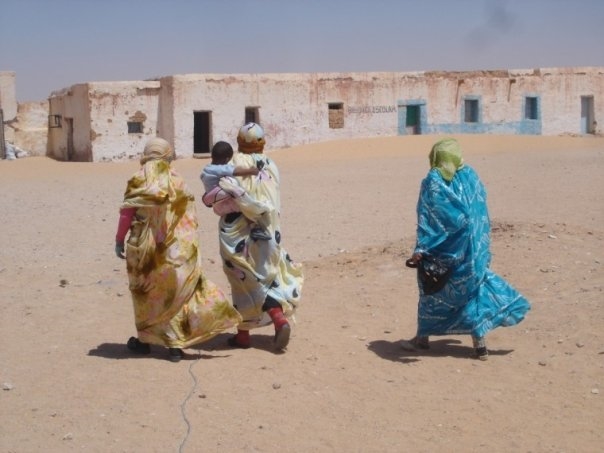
[202, 135]
[70, 147]
[412, 121]
[587, 115]
[2, 143]
[471, 110]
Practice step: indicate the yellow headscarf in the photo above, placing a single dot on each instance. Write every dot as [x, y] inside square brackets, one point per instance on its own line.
[446, 157]
[157, 149]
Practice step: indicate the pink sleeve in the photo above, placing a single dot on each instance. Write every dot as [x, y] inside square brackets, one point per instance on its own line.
[226, 206]
[123, 226]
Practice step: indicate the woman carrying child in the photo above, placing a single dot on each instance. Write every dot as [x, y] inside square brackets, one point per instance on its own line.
[266, 284]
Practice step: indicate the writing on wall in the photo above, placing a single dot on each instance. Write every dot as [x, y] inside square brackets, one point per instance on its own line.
[372, 109]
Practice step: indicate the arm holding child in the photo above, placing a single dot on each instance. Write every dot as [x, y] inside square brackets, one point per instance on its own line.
[245, 171]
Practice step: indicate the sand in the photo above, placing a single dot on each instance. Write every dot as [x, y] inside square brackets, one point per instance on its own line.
[344, 384]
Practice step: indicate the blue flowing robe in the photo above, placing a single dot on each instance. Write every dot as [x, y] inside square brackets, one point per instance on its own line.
[454, 226]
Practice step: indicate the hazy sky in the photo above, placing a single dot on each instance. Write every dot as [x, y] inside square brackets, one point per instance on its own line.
[52, 44]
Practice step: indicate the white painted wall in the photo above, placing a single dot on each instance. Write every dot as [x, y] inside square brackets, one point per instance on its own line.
[101, 112]
[563, 88]
[293, 108]
[70, 105]
[112, 106]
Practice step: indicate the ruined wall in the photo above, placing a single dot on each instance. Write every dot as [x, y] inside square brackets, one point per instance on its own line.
[8, 103]
[8, 95]
[31, 127]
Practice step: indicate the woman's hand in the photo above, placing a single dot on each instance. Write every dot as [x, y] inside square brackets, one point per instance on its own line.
[119, 250]
[230, 185]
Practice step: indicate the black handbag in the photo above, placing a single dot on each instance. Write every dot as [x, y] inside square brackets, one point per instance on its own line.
[432, 273]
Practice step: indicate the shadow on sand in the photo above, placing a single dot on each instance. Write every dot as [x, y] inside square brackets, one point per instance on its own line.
[392, 350]
[219, 343]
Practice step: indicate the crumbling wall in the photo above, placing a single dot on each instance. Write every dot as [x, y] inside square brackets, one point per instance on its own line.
[31, 127]
[8, 105]
[8, 98]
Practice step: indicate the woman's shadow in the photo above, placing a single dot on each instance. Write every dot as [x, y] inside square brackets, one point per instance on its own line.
[218, 346]
[260, 342]
[446, 347]
[119, 351]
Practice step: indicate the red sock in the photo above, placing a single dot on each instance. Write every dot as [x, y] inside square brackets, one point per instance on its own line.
[278, 318]
[243, 337]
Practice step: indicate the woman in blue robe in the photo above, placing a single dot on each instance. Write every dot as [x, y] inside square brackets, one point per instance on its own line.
[453, 229]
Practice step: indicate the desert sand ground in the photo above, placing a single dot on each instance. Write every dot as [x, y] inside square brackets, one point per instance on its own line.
[344, 384]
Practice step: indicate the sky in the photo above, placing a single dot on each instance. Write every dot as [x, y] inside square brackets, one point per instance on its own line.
[53, 44]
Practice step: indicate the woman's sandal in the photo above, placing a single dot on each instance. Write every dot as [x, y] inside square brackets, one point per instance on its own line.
[482, 353]
[416, 343]
[480, 348]
[175, 354]
[235, 344]
[137, 346]
[282, 337]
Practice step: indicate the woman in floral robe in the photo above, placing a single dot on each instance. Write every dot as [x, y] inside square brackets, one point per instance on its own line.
[174, 304]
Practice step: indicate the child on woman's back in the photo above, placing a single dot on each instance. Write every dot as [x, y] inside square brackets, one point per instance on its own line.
[214, 196]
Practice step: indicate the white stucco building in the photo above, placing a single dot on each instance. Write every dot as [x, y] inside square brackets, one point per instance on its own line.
[99, 121]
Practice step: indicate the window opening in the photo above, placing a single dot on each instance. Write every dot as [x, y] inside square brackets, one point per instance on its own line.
[55, 121]
[336, 115]
[135, 127]
[252, 115]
